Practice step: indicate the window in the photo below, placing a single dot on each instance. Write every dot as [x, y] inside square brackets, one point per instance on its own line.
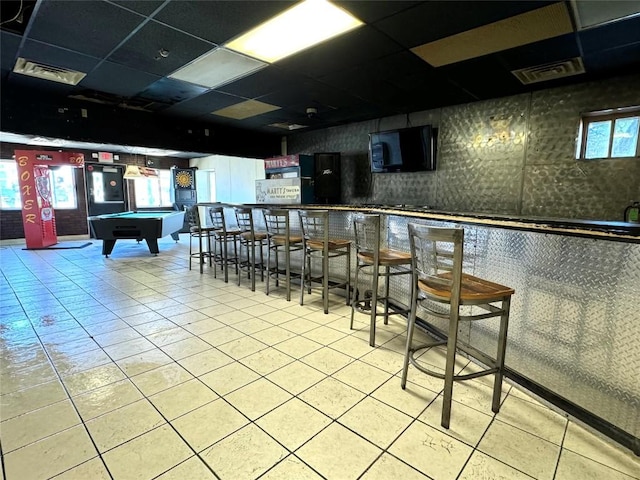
[64, 188]
[9, 186]
[609, 135]
[154, 192]
[62, 180]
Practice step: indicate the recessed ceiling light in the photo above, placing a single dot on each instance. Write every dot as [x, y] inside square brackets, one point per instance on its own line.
[302, 26]
[247, 109]
[217, 67]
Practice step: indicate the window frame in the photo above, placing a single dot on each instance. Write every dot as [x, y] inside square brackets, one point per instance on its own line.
[56, 203]
[161, 174]
[603, 116]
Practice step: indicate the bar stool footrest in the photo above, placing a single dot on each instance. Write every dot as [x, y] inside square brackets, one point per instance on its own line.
[456, 378]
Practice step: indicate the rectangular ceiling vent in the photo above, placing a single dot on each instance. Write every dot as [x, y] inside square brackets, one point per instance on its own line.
[48, 72]
[550, 71]
[287, 125]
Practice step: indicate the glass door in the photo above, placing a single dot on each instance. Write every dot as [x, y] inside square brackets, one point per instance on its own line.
[105, 189]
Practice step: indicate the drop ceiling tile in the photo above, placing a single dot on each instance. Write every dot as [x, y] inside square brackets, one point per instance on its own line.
[483, 78]
[349, 50]
[205, 103]
[57, 57]
[172, 91]
[539, 53]
[218, 21]
[611, 35]
[311, 94]
[141, 50]
[40, 85]
[265, 81]
[534, 26]
[430, 89]
[370, 12]
[620, 60]
[8, 52]
[449, 18]
[145, 7]
[72, 25]
[596, 12]
[117, 79]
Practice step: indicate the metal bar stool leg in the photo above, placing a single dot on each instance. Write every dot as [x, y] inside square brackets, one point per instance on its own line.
[410, 327]
[325, 282]
[502, 346]
[348, 275]
[201, 258]
[354, 300]
[374, 304]
[387, 280]
[449, 367]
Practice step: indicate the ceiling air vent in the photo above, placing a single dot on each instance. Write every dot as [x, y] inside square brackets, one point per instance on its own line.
[48, 72]
[550, 71]
[287, 125]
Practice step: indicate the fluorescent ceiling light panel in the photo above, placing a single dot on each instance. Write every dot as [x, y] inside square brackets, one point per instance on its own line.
[534, 26]
[302, 26]
[247, 109]
[217, 68]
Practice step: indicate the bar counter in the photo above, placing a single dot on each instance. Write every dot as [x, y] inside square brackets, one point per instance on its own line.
[574, 323]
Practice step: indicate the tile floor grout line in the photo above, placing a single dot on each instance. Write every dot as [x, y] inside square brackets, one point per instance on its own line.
[70, 398]
[298, 359]
[167, 421]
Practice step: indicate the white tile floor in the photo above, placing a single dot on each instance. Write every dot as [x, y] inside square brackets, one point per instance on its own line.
[135, 367]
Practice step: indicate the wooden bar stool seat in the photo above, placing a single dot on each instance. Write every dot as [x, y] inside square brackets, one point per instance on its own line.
[385, 263]
[223, 238]
[250, 240]
[203, 236]
[440, 288]
[318, 247]
[281, 242]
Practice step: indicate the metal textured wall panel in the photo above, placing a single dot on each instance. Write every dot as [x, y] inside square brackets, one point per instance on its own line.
[574, 320]
[514, 155]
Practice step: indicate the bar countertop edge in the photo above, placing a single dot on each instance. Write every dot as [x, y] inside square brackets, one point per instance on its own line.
[597, 229]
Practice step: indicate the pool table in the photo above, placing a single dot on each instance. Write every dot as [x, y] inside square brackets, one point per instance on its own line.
[150, 225]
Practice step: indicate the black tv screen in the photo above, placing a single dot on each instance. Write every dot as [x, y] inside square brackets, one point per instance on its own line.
[405, 150]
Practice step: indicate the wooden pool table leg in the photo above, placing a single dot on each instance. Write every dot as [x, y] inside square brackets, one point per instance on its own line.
[176, 235]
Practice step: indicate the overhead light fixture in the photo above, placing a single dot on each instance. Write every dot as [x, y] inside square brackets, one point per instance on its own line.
[217, 67]
[134, 171]
[304, 25]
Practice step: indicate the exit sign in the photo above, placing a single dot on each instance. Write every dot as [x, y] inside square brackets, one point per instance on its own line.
[105, 157]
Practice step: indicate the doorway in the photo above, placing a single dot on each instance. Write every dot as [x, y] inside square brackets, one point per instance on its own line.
[105, 189]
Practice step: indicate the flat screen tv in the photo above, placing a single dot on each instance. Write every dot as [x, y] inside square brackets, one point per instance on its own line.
[405, 150]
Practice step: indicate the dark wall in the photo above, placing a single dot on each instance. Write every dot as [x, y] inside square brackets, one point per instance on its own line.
[74, 221]
[28, 112]
[513, 155]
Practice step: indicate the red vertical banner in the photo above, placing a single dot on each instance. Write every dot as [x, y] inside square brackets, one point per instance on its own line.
[30, 208]
[38, 217]
[42, 176]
